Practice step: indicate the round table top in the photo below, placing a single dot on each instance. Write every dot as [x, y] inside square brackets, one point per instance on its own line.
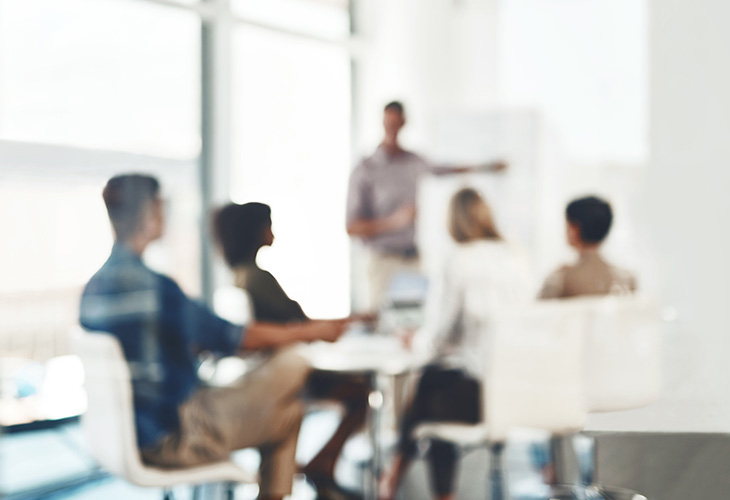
[362, 354]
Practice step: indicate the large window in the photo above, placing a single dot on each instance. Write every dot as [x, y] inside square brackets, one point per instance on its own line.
[60, 232]
[291, 150]
[94, 88]
[321, 18]
[104, 74]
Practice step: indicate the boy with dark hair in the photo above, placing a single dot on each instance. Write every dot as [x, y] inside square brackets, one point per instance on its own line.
[179, 422]
[588, 221]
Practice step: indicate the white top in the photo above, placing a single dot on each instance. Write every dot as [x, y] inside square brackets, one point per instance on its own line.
[478, 278]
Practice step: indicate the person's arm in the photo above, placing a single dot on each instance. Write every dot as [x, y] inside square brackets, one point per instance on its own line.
[260, 335]
[494, 166]
[443, 313]
[367, 228]
[201, 329]
[362, 221]
[554, 286]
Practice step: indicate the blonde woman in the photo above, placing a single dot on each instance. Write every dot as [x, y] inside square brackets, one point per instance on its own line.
[483, 273]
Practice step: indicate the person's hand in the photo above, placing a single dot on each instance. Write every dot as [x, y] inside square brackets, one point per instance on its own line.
[497, 166]
[406, 338]
[368, 317]
[403, 217]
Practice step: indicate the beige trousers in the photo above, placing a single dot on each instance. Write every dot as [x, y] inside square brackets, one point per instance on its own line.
[381, 270]
[262, 411]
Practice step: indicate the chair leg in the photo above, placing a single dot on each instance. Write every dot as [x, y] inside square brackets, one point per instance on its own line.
[584, 448]
[497, 487]
[230, 491]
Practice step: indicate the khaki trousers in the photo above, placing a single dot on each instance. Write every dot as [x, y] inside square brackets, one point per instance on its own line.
[262, 411]
[381, 270]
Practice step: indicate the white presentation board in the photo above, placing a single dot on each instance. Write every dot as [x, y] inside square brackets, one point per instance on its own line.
[513, 195]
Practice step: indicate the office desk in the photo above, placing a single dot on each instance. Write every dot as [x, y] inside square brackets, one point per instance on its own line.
[375, 357]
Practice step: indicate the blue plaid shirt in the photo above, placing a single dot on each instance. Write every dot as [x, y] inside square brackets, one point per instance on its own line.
[161, 332]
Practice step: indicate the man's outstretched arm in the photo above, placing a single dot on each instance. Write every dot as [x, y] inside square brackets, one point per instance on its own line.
[494, 166]
[367, 228]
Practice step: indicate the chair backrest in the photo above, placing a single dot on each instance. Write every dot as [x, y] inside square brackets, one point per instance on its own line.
[534, 369]
[623, 353]
[108, 423]
[234, 304]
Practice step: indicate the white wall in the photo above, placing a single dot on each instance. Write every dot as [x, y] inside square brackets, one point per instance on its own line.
[583, 65]
[436, 58]
[687, 201]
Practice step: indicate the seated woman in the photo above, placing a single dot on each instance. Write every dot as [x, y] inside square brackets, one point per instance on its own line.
[482, 273]
[241, 231]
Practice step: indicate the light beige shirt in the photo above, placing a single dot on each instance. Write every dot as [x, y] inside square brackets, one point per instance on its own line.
[590, 275]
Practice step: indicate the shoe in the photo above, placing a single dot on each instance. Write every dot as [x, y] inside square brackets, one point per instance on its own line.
[328, 489]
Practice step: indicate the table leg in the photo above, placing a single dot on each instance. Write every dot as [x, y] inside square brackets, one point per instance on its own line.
[375, 403]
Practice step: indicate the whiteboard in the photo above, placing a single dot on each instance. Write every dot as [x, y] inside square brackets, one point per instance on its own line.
[513, 195]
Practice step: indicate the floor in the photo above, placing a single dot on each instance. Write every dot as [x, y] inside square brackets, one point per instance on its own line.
[53, 464]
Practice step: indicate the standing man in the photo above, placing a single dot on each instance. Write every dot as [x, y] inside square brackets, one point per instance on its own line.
[178, 422]
[381, 203]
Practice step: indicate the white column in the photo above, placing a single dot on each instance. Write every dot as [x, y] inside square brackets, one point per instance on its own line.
[215, 134]
[687, 197]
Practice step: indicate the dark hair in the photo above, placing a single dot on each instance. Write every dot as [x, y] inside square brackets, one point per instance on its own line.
[395, 106]
[125, 197]
[592, 216]
[239, 230]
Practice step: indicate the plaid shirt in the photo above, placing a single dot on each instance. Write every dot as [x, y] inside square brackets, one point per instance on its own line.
[161, 331]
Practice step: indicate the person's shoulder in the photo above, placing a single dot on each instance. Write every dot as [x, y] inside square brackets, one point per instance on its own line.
[492, 247]
[362, 169]
[416, 159]
[482, 254]
[252, 276]
[554, 285]
[623, 277]
[121, 275]
[368, 161]
[414, 156]
[165, 281]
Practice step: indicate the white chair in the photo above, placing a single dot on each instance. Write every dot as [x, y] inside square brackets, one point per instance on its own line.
[622, 361]
[108, 423]
[533, 379]
[623, 353]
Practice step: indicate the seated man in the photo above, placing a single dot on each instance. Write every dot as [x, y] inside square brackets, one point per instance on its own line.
[178, 422]
[588, 222]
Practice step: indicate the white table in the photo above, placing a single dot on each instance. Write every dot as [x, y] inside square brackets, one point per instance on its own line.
[375, 357]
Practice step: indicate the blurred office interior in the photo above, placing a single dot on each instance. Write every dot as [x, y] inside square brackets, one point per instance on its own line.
[275, 101]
